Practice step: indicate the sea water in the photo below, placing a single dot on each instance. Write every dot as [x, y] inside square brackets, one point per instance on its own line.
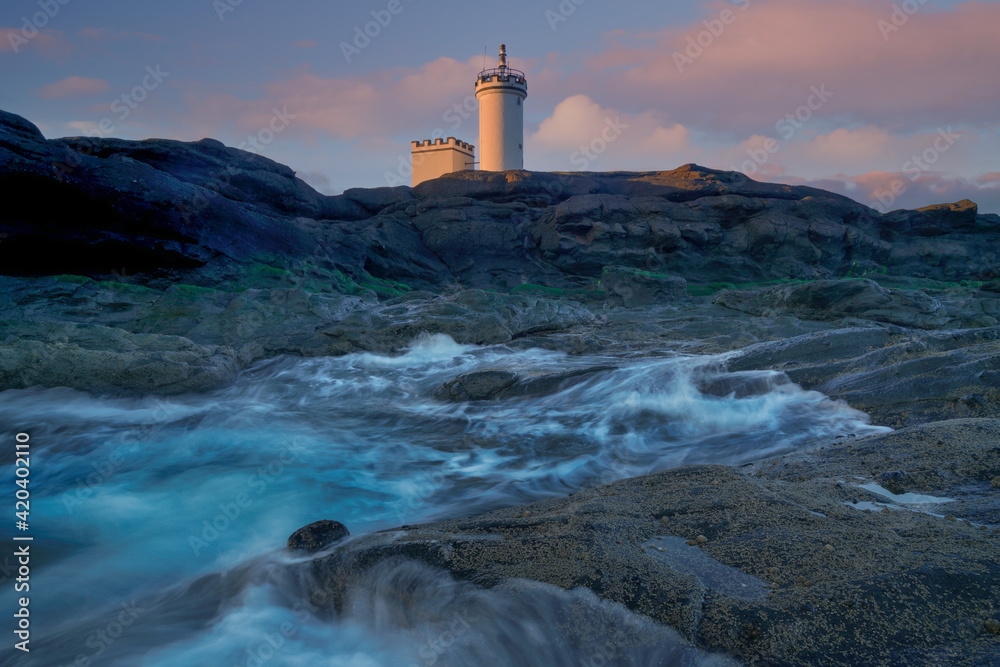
[159, 523]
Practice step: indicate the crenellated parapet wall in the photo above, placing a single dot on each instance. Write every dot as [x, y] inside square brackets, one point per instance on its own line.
[458, 144]
[432, 158]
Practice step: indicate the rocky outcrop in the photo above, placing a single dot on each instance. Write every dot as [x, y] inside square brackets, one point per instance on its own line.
[159, 267]
[866, 300]
[108, 360]
[113, 337]
[631, 287]
[898, 376]
[202, 213]
[781, 562]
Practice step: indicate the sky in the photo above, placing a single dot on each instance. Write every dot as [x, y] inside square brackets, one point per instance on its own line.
[895, 103]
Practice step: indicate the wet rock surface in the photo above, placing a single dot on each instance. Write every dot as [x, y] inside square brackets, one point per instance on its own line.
[164, 267]
[813, 579]
[865, 299]
[631, 287]
[317, 536]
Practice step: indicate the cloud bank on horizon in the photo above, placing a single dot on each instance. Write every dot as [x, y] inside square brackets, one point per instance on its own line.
[891, 102]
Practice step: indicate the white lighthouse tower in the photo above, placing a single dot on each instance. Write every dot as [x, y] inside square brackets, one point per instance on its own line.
[501, 92]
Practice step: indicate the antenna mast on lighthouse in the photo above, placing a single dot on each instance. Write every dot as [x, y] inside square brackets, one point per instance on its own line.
[501, 93]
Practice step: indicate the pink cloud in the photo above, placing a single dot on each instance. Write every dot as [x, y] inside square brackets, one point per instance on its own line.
[73, 86]
[50, 44]
[305, 44]
[886, 191]
[415, 101]
[582, 134]
[863, 149]
[937, 68]
[107, 34]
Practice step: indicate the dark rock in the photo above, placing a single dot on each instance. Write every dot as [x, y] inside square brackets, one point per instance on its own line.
[631, 287]
[893, 480]
[109, 360]
[899, 377]
[902, 583]
[59, 331]
[974, 400]
[14, 130]
[374, 200]
[499, 384]
[477, 386]
[865, 300]
[317, 536]
[937, 220]
[202, 210]
[469, 317]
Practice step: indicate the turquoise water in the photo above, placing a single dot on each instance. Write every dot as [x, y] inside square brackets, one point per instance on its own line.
[159, 524]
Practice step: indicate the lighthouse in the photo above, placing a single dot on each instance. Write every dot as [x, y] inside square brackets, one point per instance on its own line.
[501, 92]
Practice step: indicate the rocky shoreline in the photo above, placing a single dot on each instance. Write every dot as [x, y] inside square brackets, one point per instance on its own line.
[161, 267]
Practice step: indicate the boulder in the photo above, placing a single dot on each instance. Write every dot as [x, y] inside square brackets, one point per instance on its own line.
[317, 536]
[631, 287]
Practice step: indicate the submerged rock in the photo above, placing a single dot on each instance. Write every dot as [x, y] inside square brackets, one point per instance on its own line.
[501, 383]
[477, 386]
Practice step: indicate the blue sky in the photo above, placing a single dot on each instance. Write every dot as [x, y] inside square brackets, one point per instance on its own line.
[905, 115]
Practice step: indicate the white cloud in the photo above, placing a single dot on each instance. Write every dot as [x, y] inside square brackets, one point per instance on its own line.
[581, 134]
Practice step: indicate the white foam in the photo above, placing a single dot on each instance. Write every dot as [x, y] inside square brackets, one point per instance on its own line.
[425, 349]
[904, 498]
[361, 440]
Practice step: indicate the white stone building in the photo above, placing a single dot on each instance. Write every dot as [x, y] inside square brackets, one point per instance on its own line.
[431, 159]
[501, 92]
